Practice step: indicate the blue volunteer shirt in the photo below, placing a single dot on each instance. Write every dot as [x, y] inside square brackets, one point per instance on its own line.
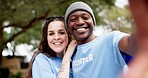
[99, 58]
[45, 67]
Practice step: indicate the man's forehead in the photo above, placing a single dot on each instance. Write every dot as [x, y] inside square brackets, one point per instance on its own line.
[75, 13]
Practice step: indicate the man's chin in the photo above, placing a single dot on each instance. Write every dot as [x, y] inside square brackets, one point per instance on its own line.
[81, 38]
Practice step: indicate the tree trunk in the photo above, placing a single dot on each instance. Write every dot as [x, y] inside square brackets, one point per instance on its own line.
[1, 42]
[1, 55]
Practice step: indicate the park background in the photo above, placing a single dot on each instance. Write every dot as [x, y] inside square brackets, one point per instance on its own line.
[21, 22]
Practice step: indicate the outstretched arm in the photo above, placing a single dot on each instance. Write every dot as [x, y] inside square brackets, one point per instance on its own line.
[139, 66]
[65, 67]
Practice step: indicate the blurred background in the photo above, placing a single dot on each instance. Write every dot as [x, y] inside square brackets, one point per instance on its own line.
[21, 23]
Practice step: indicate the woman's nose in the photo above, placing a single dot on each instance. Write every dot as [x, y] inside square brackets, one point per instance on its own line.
[57, 36]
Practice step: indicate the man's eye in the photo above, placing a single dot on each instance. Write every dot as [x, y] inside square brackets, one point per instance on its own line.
[72, 20]
[85, 18]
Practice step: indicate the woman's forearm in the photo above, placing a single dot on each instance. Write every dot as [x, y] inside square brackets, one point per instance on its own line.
[65, 68]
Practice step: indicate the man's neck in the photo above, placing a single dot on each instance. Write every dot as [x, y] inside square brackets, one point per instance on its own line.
[90, 38]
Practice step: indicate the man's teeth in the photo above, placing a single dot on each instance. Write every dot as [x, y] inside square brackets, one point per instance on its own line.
[80, 29]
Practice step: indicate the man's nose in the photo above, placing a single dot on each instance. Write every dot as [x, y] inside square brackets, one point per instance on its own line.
[80, 21]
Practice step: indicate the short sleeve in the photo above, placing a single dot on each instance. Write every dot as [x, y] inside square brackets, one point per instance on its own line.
[41, 67]
[117, 36]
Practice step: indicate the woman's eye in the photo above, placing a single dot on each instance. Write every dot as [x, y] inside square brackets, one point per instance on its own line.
[50, 34]
[62, 32]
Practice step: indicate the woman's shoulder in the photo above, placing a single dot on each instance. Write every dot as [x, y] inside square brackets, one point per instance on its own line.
[46, 57]
[42, 56]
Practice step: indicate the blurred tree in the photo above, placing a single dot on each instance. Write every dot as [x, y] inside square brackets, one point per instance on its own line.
[24, 18]
[117, 18]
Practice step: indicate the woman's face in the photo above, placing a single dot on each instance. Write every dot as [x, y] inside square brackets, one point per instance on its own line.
[57, 37]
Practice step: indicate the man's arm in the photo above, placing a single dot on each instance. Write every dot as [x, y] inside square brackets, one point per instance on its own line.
[139, 11]
[139, 66]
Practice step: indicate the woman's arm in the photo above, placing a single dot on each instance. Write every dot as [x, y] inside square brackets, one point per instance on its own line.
[65, 67]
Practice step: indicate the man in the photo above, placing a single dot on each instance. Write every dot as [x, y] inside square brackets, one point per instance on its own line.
[95, 57]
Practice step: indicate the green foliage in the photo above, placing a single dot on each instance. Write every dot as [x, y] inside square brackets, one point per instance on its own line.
[17, 75]
[118, 19]
[20, 12]
[33, 33]
[4, 72]
[21, 15]
[109, 2]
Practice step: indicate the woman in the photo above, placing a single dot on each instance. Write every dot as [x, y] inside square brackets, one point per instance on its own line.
[49, 62]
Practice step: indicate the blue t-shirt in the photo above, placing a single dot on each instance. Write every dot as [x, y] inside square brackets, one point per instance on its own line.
[45, 67]
[99, 58]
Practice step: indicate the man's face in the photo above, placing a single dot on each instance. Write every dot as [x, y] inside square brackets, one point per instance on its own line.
[80, 25]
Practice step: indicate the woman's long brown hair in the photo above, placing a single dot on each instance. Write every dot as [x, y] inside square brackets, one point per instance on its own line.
[43, 46]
